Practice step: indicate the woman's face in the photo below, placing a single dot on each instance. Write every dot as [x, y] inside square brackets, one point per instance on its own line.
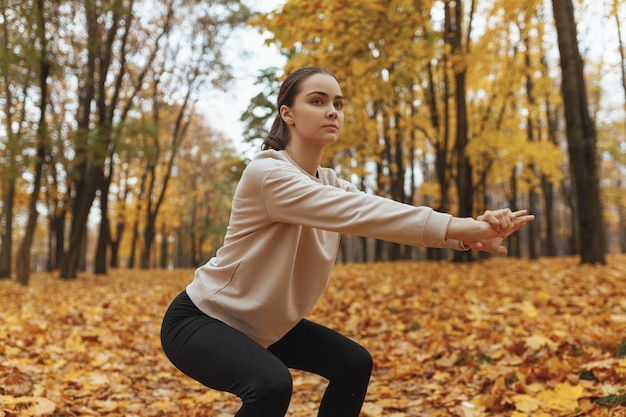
[316, 115]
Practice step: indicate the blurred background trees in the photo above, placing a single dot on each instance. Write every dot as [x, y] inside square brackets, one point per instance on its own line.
[107, 158]
[487, 104]
[98, 101]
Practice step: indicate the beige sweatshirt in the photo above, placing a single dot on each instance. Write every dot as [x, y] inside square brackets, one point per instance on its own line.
[282, 240]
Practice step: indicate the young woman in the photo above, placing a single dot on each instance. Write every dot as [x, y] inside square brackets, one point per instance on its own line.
[239, 325]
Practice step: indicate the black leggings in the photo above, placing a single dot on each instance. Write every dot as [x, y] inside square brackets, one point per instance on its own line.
[223, 358]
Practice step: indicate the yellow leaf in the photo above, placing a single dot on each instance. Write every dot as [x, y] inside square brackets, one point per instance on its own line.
[536, 342]
[529, 309]
[74, 342]
[563, 397]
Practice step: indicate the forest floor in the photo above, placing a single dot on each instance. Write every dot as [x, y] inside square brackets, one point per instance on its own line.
[501, 337]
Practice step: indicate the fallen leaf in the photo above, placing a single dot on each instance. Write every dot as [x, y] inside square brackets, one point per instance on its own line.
[564, 397]
[526, 403]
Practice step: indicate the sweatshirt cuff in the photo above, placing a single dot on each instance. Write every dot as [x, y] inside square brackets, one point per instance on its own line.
[436, 229]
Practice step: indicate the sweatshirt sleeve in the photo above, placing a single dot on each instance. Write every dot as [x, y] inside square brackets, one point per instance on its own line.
[291, 197]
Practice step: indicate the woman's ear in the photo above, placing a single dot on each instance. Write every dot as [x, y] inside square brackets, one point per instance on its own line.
[285, 114]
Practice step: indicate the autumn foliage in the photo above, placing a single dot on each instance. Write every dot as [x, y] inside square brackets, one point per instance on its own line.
[503, 337]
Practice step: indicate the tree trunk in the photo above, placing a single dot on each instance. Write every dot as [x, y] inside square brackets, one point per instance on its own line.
[58, 225]
[6, 247]
[550, 248]
[164, 255]
[465, 187]
[115, 245]
[9, 175]
[86, 178]
[119, 224]
[135, 239]
[573, 239]
[621, 54]
[380, 190]
[514, 240]
[533, 229]
[464, 184]
[397, 173]
[134, 243]
[581, 137]
[148, 231]
[104, 238]
[22, 262]
[622, 229]
[85, 194]
[622, 209]
[104, 234]
[442, 164]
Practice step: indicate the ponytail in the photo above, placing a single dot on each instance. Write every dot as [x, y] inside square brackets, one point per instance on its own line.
[278, 137]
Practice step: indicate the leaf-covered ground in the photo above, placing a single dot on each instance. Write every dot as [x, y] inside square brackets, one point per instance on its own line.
[503, 337]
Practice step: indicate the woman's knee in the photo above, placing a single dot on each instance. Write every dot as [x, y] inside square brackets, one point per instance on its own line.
[354, 364]
[271, 389]
[361, 361]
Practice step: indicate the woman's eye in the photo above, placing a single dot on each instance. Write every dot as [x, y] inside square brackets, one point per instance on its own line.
[317, 101]
[339, 105]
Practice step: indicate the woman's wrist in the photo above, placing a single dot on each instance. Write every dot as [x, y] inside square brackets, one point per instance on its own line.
[465, 229]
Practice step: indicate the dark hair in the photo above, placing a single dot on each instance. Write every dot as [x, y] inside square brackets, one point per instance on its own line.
[278, 137]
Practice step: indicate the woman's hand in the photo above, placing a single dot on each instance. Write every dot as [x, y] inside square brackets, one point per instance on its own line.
[505, 221]
[492, 245]
[489, 230]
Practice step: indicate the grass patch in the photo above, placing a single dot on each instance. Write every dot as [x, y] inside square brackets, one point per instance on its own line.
[611, 401]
